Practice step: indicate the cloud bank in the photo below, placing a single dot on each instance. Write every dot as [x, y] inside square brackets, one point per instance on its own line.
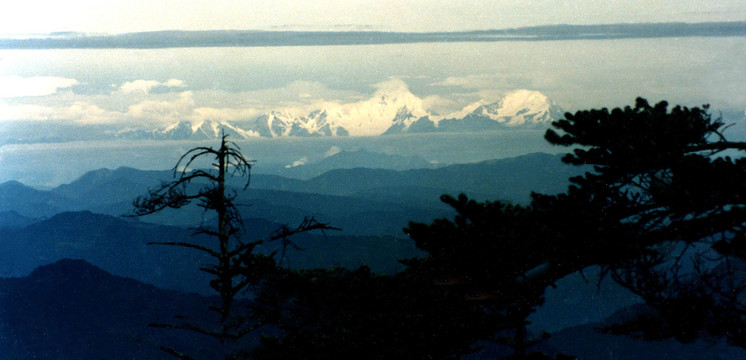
[145, 86]
[151, 104]
[16, 86]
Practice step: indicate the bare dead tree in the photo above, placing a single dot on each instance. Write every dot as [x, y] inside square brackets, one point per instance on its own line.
[236, 265]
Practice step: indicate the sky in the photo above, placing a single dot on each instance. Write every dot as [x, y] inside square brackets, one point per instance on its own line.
[115, 16]
[153, 88]
[46, 92]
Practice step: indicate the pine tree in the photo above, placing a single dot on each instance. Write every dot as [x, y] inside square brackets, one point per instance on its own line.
[667, 192]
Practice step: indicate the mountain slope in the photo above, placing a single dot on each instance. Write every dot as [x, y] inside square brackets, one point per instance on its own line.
[587, 343]
[510, 179]
[117, 245]
[104, 186]
[72, 310]
[12, 219]
[30, 202]
[350, 160]
[120, 246]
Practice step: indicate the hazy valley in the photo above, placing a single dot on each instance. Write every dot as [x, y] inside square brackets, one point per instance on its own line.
[82, 220]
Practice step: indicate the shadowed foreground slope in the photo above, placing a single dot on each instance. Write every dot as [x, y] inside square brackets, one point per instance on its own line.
[73, 310]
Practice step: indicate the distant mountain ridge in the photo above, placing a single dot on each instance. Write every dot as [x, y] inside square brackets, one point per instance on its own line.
[362, 201]
[393, 111]
[345, 159]
[112, 191]
[121, 246]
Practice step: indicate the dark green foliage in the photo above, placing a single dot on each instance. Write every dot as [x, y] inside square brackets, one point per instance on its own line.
[344, 314]
[661, 180]
[484, 273]
[658, 168]
[487, 250]
[501, 257]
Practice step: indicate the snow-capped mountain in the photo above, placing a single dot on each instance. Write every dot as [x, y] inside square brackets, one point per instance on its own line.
[184, 130]
[391, 111]
[525, 109]
[521, 108]
[376, 115]
[276, 124]
[402, 121]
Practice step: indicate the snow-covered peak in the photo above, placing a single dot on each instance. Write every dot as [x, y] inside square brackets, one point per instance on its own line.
[405, 117]
[375, 115]
[177, 125]
[279, 123]
[205, 129]
[520, 107]
[468, 109]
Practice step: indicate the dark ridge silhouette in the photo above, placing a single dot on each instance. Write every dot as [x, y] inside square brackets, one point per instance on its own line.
[73, 310]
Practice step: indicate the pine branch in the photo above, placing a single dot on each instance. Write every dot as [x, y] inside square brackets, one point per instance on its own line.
[190, 327]
[175, 353]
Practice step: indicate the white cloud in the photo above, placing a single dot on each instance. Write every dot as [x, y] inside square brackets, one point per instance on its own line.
[138, 86]
[184, 106]
[297, 96]
[334, 150]
[505, 82]
[484, 87]
[133, 106]
[299, 162]
[439, 105]
[162, 112]
[85, 113]
[393, 85]
[227, 114]
[174, 83]
[28, 112]
[469, 82]
[16, 86]
[79, 112]
[145, 86]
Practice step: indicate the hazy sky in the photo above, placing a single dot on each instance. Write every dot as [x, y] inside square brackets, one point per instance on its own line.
[152, 88]
[115, 16]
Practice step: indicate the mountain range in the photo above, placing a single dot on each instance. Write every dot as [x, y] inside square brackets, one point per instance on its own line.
[396, 112]
[349, 195]
[370, 205]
